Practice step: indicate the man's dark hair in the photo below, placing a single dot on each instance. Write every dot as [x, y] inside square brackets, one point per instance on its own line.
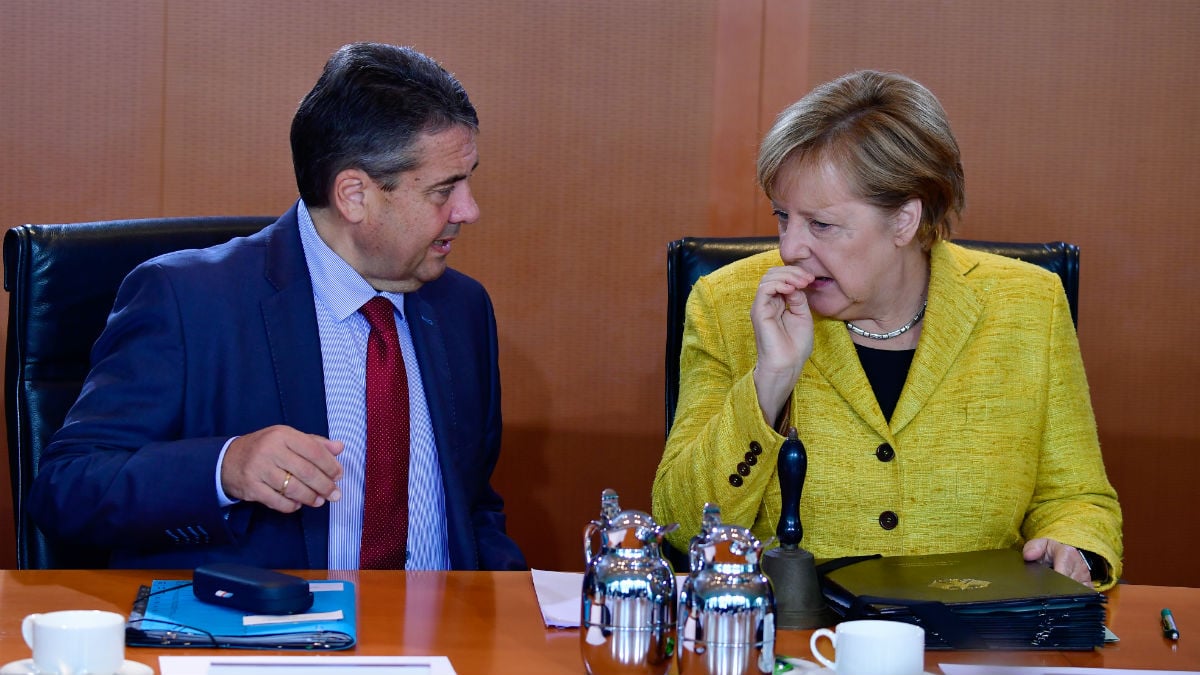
[366, 112]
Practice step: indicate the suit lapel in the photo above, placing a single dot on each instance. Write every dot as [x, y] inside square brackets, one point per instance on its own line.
[438, 379]
[955, 306]
[838, 362]
[290, 320]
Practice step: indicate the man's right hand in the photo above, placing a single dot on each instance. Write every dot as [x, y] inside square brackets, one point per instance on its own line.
[282, 468]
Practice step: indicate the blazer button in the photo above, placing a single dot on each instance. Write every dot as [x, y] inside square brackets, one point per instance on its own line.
[755, 447]
[885, 453]
[888, 520]
[751, 458]
[743, 468]
[735, 480]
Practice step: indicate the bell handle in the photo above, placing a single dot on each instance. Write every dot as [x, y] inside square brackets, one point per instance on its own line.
[791, 468]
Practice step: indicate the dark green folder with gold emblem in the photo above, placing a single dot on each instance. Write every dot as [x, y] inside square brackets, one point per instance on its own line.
[974, 600]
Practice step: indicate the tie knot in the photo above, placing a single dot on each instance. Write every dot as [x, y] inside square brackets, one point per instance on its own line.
[379, 313]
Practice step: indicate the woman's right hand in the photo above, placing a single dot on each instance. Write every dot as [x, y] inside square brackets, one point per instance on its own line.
[783, 334]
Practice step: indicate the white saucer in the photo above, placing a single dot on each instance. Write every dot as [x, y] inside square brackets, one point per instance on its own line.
[26, 667]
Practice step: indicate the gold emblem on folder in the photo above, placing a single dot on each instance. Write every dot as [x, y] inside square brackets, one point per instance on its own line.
[959, 584]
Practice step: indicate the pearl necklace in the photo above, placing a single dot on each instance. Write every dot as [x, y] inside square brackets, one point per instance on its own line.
[888, 336]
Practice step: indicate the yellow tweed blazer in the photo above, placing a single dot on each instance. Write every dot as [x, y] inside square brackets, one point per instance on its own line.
[994, 438]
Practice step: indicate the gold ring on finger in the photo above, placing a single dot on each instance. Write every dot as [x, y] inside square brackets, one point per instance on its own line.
[286, 481]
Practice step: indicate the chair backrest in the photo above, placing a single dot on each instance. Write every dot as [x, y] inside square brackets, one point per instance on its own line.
[690, 258]
[62, 281]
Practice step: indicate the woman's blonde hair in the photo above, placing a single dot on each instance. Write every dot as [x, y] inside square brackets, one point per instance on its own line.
[887, 133]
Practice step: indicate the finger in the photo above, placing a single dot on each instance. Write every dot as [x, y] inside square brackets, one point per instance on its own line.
[312, 460]
[1030, 552]
[310, 485]
[257, 464]
[791, 273]
[334, 447]
[316, 450]
[776, 299]
[272, 492]
[1069, 561]
[1035, 550]
[797, 303]
[777, 285]
[295, 489]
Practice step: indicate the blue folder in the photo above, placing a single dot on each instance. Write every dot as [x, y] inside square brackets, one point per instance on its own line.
[167, 614]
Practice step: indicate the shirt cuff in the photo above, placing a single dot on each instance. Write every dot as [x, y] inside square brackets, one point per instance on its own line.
[223, 499]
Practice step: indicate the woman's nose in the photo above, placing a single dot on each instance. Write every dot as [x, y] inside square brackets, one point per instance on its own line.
[794, 245]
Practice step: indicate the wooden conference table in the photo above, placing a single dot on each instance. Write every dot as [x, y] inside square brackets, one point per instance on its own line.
[489, 622]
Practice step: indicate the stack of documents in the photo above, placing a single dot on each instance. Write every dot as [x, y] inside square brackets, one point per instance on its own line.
[976, 600]
[167, 614]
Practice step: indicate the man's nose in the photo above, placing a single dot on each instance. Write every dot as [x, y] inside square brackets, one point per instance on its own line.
[465, 210]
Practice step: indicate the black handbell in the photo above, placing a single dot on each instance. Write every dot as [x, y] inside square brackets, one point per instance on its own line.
[793, 574]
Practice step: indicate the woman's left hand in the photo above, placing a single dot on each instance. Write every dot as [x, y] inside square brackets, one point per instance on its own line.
[1063, 558]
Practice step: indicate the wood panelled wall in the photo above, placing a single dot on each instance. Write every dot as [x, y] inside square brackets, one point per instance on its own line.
[610, 128]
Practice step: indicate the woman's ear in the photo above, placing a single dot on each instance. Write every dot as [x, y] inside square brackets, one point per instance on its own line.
[906, 221]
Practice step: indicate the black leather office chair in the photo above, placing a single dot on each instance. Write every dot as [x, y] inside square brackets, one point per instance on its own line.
[62, 281]
[692, 257]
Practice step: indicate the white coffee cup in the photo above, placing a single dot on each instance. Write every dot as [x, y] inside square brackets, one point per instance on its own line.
[76, 642]
[873, 648]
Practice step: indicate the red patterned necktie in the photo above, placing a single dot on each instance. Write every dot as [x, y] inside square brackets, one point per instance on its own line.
[385, 497]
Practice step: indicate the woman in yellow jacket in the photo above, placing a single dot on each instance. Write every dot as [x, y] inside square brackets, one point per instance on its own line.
[939, 392]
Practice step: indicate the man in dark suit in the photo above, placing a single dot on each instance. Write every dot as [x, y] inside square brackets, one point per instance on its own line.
[229, 412]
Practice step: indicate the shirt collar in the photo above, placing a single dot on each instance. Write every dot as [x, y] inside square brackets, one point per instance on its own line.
[335, 283]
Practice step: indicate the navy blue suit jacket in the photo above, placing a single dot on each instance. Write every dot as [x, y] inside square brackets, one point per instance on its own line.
[203, 345]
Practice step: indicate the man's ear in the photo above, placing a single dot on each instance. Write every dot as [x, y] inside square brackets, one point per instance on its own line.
[906, 221]
[349, 196]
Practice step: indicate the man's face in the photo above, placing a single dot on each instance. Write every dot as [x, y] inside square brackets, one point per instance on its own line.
[407, 233]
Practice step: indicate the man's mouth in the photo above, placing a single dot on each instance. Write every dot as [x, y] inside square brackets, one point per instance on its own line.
[442, 245]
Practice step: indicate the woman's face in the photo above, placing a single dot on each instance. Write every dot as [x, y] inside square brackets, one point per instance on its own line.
[856, 251]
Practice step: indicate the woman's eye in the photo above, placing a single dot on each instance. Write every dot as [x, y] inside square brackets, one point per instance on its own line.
[781, 217]
[818, 226]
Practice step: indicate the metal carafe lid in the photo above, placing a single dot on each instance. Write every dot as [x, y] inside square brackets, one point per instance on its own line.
[730, 548]
[624, 531]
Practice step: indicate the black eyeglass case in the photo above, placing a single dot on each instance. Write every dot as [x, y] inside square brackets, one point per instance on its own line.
[251, 589]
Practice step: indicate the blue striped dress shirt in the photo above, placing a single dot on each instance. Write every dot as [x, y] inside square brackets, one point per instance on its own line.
[339, 292]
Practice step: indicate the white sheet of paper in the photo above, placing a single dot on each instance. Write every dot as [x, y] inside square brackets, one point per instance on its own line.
[558, 595]
[960, 669]
[304, 665]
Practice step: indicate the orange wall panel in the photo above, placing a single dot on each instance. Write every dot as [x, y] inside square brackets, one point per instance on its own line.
[609, 129]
